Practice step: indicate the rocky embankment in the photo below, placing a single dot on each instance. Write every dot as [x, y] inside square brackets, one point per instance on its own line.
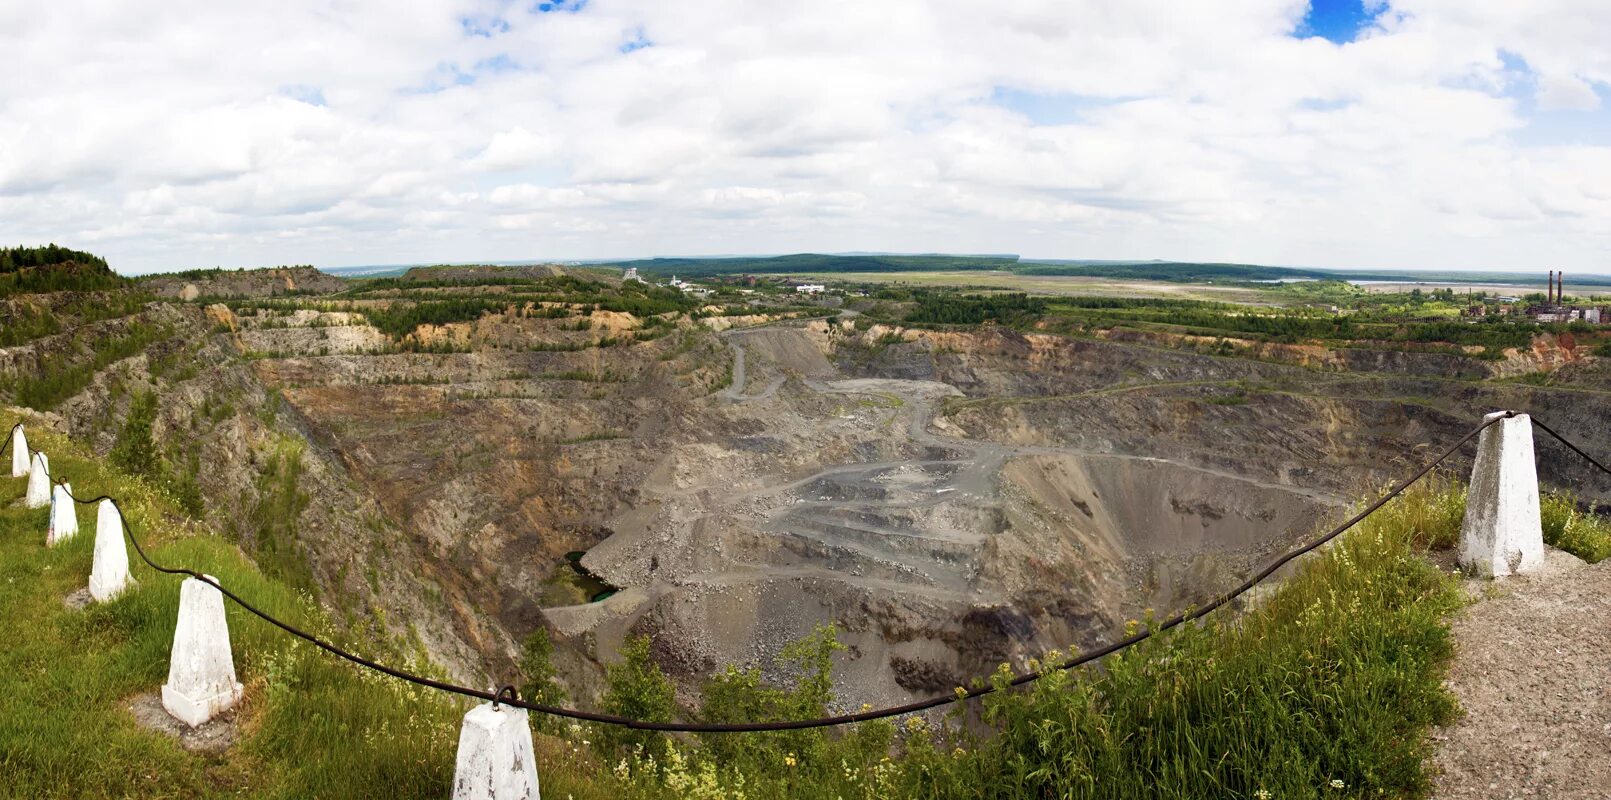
[952, 499]
[244, 283]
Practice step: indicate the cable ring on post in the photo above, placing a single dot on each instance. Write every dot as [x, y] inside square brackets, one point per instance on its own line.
[513, 695]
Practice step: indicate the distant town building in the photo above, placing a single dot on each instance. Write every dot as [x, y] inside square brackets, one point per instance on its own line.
[1555, 308]
[810, 288]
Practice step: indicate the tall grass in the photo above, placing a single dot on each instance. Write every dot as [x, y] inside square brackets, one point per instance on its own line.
[1325, 689]
[311, 727]
[1585, 535]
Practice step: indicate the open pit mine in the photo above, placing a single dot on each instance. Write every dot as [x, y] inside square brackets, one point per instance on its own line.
[722, 483]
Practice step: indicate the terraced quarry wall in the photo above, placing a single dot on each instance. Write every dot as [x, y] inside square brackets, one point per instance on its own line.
[954, 499]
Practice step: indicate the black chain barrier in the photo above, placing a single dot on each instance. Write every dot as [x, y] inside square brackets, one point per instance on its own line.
[508, 696]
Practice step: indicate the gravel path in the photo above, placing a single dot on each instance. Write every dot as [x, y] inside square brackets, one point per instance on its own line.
[1533, 673]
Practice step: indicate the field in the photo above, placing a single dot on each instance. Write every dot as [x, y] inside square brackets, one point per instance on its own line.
[1069, 285]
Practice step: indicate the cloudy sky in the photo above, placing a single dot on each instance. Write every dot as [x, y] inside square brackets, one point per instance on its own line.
[1410, 133]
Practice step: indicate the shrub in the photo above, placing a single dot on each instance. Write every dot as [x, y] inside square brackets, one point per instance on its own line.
[63, 378]
[637, 689]
[1587, 536]
[135, 452]
[542, 679]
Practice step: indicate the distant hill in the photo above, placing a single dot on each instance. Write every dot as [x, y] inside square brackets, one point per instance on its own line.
[54, 269]
[815, 262]
[1210, 272]
[270, 282]
[1172, 271]
[480, 273]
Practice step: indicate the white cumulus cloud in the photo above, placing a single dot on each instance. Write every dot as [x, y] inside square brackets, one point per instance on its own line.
[1448, 133]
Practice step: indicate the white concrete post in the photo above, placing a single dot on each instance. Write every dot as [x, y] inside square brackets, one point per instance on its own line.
[63, 515]
[109, 574]
[1502, 533]
[496, 761]
[19, 453]
[38, 483]
[201, 670]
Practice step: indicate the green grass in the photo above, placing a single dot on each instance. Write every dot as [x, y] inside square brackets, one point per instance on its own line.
[62, 378]
[1334, 677]
[1587, 536]
[311, 726]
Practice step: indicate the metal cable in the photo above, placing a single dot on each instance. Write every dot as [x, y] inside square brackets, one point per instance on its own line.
[1574, 448]
[11, 437]
[507, 694]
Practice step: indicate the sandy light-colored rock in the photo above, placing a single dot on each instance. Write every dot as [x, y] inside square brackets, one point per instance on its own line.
[19, 452]
[63, 515]
[496, 761]
[38, 482]
[1502, 533]
[201, 669]
[109, 575]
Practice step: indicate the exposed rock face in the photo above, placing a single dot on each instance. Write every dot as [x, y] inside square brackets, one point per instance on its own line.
[245, 283]
[475, 273]
[951, 499]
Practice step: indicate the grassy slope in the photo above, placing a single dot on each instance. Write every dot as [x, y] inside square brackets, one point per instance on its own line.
[1335, 677]
[312, 726]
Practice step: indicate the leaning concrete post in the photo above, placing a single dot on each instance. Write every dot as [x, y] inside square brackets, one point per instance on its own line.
[495, 761]
[109, 574]
[19, 453]
[63, 515]
[38, 483]
[1502, 533]
[201, 670]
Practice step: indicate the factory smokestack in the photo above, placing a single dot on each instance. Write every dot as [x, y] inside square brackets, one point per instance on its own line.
[1560, 287]
[1549, 291]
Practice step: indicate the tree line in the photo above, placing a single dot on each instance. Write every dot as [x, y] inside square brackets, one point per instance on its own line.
[53, 268]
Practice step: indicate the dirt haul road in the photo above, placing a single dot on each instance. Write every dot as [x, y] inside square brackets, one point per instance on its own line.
[938, 556]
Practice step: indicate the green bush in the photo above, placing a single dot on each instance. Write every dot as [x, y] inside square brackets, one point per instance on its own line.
[63, 378]
[537, 663]
[1587, 536]
[280, 501]
[310, 725]
[54, 269]
[25, 324]
[1325, 688]
[636, 688]
[134, 451]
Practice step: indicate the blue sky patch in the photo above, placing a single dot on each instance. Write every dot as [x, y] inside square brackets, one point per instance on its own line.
[556, 6]
[1056, 108]
[447, 76]
[637, 41]
[484, 27]
[1339, 21]
[1563, 126]
[1322, 104]
[312, 95]
[498, 63]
